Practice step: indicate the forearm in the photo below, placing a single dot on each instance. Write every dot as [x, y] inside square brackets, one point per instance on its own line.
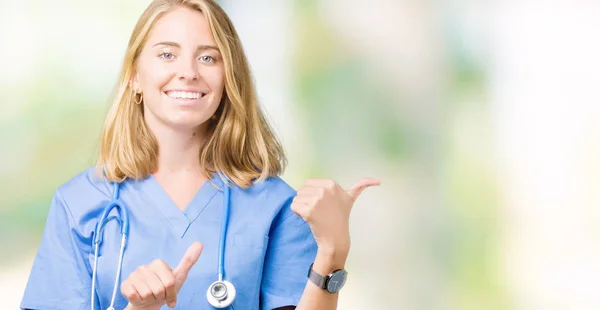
[315, 297]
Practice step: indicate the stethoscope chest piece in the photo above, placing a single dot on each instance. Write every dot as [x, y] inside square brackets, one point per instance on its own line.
[221, 294]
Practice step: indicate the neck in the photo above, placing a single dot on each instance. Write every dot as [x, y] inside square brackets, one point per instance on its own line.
[179, 151]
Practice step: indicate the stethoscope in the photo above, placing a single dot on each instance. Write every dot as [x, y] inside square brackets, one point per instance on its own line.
[220, 294]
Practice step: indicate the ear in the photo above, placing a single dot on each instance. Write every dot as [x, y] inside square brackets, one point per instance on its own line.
[134, 83]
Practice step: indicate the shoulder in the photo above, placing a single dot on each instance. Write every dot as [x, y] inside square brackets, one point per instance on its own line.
[273, 186]
[273, 197]
[84, 184]
[268, 197]
[274, 192]
[83, 197]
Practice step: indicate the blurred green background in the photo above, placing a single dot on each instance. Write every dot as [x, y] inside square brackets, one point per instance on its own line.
[479, 117]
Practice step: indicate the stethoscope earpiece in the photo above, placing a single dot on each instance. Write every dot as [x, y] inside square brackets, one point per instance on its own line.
[221, 294]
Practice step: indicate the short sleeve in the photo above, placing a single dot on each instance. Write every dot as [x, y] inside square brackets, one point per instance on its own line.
[60, 277]
[291, 251]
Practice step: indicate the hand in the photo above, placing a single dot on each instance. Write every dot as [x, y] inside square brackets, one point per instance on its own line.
[153, 285]
[326, 207]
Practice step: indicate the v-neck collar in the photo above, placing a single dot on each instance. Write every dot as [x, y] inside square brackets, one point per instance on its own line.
[181, 220]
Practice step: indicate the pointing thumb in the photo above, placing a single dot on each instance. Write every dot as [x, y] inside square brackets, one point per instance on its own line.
[361, 184]
[187, 262]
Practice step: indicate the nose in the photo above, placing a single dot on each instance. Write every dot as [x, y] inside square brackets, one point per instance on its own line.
[188, 70]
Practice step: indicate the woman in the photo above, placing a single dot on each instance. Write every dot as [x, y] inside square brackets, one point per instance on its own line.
[185, 148]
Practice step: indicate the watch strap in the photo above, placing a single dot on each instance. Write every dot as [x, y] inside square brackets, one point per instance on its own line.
[316, 279]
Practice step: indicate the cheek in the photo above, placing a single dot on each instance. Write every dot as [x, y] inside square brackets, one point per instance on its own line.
[216, 80]
[152, 77]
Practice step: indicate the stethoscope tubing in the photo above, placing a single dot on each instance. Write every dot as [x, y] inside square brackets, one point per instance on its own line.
[124, 219]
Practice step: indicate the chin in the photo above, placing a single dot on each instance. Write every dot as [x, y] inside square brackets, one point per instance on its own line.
[187, 123]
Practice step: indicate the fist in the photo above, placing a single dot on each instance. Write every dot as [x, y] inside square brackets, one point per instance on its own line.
[151, 286]
[326, 207]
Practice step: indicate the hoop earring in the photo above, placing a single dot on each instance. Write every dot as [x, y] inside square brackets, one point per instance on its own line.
[135, 97]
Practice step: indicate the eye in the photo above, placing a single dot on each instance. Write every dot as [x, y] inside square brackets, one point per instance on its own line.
[207, 59]
[166, 55]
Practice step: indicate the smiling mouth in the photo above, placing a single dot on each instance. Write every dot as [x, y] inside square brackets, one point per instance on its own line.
[185, 95]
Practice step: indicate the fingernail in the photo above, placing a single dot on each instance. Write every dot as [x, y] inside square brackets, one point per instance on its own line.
[172, 304]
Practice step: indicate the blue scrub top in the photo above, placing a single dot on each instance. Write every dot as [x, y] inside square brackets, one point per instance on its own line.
[267, 254]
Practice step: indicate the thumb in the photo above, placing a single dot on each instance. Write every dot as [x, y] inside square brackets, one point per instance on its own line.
[361, 184]
[187, 262]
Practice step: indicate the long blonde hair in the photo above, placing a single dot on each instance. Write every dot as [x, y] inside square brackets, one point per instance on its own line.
[240, 143]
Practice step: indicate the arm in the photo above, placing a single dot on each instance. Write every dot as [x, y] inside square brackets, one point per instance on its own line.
[318, 234]
[326, 207]
[317, 298]
[61, 259]
[314, 297]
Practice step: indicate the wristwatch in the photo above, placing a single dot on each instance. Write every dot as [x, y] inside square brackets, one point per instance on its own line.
[332, 282]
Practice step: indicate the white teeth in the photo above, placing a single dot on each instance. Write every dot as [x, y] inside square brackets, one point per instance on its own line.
[183, 95]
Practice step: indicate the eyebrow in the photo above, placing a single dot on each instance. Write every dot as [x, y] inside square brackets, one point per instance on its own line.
[175, 44]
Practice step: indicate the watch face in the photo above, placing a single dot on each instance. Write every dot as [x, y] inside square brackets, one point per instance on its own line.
[336, 281]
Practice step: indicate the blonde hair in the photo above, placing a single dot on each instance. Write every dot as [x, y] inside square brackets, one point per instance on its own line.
[240, 143]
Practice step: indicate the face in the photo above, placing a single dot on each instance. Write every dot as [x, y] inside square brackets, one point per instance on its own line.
[180, 71]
